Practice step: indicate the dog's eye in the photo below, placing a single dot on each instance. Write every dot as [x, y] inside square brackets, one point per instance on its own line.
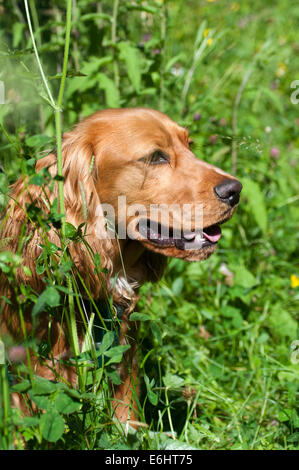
[158, 157]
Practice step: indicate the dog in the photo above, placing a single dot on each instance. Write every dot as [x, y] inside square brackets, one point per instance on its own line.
[143, 159]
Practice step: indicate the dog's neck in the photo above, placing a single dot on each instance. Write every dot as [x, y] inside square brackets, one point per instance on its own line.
[127, 269]
[132, 252]
[134, 266]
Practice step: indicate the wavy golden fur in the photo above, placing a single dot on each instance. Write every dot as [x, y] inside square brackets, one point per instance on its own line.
[139, 154]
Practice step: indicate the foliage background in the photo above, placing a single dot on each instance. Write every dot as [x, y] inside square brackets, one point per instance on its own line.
[217, 368]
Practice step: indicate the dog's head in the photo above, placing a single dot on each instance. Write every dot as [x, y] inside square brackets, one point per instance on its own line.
[162, 195]
[136, 166]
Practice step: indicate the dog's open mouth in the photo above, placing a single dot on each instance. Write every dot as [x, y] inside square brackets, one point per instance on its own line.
[187, 240]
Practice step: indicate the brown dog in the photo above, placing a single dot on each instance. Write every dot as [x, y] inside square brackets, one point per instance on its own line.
[119, 164]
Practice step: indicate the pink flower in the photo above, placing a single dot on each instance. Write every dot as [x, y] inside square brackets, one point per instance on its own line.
[197, 117]
[17, 354]
[213, 139]
[146, 37]
[274, 152]
[222, 122]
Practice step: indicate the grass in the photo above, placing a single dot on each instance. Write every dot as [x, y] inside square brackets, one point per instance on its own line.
[219, 364]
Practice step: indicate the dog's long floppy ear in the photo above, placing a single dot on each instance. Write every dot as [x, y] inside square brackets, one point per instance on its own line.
[82, 205]
[79, 172]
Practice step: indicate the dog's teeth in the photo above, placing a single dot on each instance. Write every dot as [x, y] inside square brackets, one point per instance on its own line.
[195, 243]
[189, 236]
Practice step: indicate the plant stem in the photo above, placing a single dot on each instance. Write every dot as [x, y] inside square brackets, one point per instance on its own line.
[73, 330]
[58, 113]
[37, 56]
[5, 405]
[35, 21]
[113, 39]
[163, 39]
[24, 333]
[59, 169]
[39, 43]
[66, 52]
[169, 414]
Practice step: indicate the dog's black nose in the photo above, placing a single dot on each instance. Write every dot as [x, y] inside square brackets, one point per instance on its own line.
[229, 191]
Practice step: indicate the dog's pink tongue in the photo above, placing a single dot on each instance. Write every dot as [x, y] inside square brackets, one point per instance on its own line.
[212, 233]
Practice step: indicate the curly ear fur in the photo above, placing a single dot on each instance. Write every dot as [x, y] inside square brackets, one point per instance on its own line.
[82, 204]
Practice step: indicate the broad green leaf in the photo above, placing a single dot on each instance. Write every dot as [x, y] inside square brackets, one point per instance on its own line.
[115, 378]
[294, 437]
[153, 397]
[51, 425]
[70, 230]
[111, 93]
[156, 332]
[23, 386]
[131, 56]
[116, 353]
[115, 359]
[66, 404]
[177, 286]
[72, 392]
[38, 179]
[49, 298]
[8, 257]
[17, 33]
[97, 260]
[43, 386]
[256, 203]
[41, 401]
[80, 84]
[117, 350]
[243, 277]
[136, 316]
[26, 421]
[148, 91]
[52, 297]
[285, 415]
[50, 248]
[27, 271]
[89, 77]
[38, 140]
[173, 381]
[107, 342]
[178, 445]
[282, 323]
[234, 314]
